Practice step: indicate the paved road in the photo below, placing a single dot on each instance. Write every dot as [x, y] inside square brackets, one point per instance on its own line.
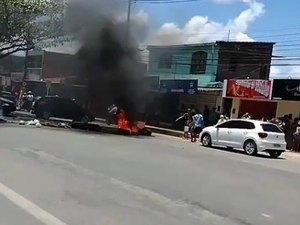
[59, 177]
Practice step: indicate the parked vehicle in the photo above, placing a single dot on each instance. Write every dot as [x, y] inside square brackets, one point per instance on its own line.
[251, 135]
[8, 95]
[8, 102]
[47, 107]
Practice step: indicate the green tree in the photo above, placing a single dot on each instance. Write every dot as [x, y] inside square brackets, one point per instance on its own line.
[25, 23]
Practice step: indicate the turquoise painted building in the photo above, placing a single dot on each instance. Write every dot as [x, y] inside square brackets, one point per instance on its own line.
[185, 62]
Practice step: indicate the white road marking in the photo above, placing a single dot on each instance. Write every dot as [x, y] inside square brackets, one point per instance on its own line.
[266, 215]
[203, 215]
[28, 206]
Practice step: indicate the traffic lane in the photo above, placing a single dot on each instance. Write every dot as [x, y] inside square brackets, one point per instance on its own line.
[285, 162]
[233, 186]
[77, 195]
[11, 214]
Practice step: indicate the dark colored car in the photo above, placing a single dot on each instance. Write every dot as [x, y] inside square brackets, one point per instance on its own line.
[47, 107]
[8, 102]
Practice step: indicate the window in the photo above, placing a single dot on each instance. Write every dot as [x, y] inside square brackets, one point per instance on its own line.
[271, 128]
[165, 61]
[228, 124]
[232, 65]
[34, 61]
[237, 125]
[244, 125]
[198, 64]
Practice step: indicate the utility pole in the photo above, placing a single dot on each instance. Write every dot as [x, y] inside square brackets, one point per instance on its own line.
[26, 62]
[228, 37]
[128, 22]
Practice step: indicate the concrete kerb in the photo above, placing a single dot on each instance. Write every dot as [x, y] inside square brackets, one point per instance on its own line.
[158, 130]
[292, 155]
[102, 121]
[53, 122]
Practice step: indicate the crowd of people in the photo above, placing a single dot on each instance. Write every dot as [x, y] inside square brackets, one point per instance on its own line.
[194, 122]
[289, 126]
[26, 101]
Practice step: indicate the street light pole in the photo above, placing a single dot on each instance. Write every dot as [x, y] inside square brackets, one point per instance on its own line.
[128, 21]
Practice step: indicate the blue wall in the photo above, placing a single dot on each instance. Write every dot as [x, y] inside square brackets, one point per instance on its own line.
[181, 63]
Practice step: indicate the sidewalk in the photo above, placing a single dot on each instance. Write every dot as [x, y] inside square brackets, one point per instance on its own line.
[158, 130]
[20, 115]
[112, 128]
[292, 155]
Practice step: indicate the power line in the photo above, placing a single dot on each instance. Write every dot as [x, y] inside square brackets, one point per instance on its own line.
[165, 1]
[243, 53]
[225, 64]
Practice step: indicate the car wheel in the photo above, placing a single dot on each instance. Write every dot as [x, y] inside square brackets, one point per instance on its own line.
[275, 154]
[206, 140]
[250, 147]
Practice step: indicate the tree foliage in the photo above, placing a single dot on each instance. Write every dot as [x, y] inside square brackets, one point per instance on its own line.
[25, 23]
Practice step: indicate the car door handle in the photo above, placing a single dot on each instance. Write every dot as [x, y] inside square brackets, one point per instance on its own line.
[229, 132]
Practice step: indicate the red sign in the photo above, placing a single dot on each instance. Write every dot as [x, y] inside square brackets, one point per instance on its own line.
[258, 89]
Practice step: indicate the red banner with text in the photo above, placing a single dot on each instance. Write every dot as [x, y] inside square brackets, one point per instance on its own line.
[256, 89]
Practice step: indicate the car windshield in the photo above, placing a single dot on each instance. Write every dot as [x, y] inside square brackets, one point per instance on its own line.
[271, 128]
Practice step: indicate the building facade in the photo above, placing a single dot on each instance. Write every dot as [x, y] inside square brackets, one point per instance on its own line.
[208, 65]
[244, 60]
[10, 67]
[53, 66]
[184, 62]
[262, 98]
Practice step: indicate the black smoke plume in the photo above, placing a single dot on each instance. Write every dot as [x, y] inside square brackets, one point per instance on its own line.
[110, 61]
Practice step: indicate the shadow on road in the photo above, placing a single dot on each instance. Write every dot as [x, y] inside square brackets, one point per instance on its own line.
[259, 155]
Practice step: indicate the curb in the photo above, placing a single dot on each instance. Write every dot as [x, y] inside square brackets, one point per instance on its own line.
[158, 130]
[292, 155]
[52, 120]
[164, 131]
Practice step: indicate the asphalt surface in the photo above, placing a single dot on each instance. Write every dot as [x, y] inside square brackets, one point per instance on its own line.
[58, 177]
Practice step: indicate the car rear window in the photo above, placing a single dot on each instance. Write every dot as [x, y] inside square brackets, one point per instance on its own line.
[271, 128]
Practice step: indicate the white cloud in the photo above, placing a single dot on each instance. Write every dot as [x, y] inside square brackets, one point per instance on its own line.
[201, 29]
[288, 67]
[295, 71]
[139, 22]
[283, 71]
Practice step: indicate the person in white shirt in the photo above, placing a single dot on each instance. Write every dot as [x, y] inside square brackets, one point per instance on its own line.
[222, 119]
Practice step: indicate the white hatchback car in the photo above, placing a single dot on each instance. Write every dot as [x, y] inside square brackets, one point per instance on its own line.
[251, 135]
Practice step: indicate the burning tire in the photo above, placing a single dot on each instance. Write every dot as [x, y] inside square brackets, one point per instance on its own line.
[145, 132]
[124, 132]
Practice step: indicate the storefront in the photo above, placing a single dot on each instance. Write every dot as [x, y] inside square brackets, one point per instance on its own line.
[287, 93]
[249, 96]
[164, 106]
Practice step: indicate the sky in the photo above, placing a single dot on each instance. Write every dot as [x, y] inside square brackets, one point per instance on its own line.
[200, 21]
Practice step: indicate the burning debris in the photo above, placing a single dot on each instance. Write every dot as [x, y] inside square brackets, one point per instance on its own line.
[119, 116]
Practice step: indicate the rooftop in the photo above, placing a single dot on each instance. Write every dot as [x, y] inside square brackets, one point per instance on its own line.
[181, 46]
[209, 44]
[244, 43]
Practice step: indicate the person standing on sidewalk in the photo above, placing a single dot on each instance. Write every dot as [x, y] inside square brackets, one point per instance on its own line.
[197, 126]
[187, 117]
